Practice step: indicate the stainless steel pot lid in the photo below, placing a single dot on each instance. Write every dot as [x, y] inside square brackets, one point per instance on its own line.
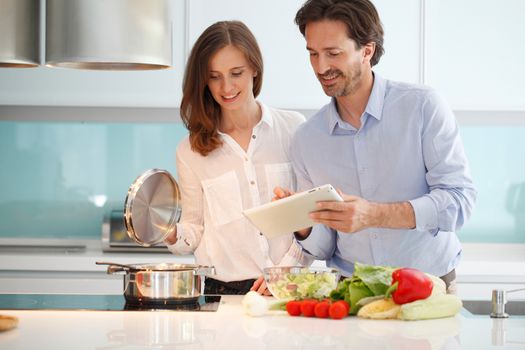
[152, 207]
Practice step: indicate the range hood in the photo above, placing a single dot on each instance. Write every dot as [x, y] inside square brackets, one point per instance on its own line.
[19, 33]
[87, 34]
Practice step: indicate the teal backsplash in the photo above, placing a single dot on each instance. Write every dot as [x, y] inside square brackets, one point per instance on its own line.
[60, 178]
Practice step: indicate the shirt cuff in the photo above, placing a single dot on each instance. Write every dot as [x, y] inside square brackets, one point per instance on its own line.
[426, 214]
[310, 244]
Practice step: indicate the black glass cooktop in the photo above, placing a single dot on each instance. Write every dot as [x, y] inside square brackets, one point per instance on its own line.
[101, 303]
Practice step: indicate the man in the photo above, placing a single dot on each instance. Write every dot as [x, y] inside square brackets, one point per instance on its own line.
[393, 149]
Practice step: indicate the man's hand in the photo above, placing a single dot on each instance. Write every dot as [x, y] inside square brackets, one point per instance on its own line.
[356, 214]
[352, 215]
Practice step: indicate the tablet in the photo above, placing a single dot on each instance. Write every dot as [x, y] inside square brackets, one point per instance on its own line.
[290, 214]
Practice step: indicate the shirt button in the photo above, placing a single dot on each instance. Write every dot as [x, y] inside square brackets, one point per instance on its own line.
[254, 137]
[245, 159]
[260, 233]
[252, 182]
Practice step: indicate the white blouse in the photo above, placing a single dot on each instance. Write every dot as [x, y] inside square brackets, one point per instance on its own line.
[216, 189]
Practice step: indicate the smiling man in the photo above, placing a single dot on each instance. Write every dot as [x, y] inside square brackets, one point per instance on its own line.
[392, 148]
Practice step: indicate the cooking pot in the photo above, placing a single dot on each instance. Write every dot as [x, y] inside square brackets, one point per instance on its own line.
[161, 283]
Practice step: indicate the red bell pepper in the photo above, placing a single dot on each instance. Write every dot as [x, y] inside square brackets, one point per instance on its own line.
[409, 285]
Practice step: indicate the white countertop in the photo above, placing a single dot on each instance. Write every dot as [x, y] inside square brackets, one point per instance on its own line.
[230, 328]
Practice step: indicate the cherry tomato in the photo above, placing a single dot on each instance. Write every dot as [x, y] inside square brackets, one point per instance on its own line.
[321, 309]
[293, 307]
[307, 307]
[339, 310]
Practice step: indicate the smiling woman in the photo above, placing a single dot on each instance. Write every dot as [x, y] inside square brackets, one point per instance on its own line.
[228, 163]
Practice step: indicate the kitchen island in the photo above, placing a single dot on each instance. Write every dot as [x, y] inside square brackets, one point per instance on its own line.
[230, 328]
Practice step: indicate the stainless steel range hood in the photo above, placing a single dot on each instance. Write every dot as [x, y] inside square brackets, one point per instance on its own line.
[19, 33]
[87, 34]
[108, 34]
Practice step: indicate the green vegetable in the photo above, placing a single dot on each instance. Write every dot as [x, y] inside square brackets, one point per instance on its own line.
[435, 306]
[358, 290]
[341, 292]
[366, 281]
[377, 278]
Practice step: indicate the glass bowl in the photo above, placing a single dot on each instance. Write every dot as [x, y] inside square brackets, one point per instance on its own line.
[296, 282]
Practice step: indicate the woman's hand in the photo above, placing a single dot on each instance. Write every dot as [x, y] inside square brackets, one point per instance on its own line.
[171, 238]
[259, 286]
[280, 193]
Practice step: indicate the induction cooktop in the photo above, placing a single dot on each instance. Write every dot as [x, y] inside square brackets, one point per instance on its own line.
[100, 303]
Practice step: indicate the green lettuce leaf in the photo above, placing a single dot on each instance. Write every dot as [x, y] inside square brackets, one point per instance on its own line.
[358, 290]
[376, 278]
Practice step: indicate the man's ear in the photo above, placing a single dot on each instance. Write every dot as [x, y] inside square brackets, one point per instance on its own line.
[368, 51]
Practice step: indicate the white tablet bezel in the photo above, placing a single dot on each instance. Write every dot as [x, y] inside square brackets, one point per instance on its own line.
[290, 214]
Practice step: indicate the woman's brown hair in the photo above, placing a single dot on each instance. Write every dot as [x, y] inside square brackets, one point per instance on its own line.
[360, 16]
[199, 111]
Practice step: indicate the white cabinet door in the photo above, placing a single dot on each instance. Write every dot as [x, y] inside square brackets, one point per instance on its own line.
[402, 40]
[476, 52]
[69, 87]
[289, 80]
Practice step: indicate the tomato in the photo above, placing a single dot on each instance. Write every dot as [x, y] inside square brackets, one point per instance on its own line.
[321, 309]
[307, 307]
[293, 307]
[339, 310]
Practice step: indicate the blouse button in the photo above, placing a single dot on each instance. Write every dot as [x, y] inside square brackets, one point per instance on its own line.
[252, 182]
[254, 137]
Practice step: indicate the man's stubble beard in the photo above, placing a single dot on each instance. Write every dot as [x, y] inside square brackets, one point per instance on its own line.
[352, 82]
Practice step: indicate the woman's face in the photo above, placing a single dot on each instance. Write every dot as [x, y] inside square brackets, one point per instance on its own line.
[230, 78]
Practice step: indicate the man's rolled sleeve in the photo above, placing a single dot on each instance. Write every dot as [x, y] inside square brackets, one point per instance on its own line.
[426, 214]
[321, 242]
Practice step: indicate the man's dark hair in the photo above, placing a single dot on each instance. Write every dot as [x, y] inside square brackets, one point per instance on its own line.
[360, 16]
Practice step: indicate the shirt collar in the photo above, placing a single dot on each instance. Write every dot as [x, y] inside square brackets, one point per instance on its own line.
[374, 106]
[266, 117]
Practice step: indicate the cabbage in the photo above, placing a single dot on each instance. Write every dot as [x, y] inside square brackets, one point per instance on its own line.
[304, 285]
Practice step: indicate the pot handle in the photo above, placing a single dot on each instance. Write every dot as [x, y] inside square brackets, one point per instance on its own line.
[114, 267]
[205, 270]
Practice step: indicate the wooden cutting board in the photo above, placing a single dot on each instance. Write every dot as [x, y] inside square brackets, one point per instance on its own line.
[7, 322]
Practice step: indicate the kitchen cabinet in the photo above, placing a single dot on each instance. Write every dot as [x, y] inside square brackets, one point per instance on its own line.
[475, 53]
[45, 86]
[473, 60]
[289, 81]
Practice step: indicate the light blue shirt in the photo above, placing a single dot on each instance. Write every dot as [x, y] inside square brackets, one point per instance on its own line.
[407, 149]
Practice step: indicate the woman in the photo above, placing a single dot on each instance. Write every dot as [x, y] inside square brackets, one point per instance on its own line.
[236, 153]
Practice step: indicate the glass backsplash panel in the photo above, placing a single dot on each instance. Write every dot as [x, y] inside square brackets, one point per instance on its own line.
[60, 178]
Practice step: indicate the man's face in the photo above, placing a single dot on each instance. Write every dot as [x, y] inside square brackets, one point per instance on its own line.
[336, 61]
